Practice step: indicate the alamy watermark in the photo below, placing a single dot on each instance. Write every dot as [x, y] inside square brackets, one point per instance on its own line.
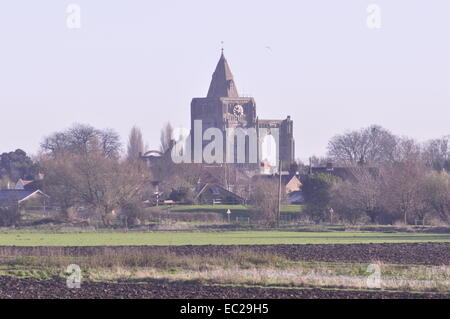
[232, 145]
[73, 20]
[374, 279]
[74, 279]
[374, 17]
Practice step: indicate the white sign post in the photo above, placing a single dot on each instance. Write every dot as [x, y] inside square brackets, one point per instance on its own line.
[229, 216]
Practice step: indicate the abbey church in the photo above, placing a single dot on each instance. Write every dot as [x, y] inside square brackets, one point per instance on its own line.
[224, 109]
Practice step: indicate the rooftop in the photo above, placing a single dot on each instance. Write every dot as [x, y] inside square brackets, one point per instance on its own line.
[16, 195]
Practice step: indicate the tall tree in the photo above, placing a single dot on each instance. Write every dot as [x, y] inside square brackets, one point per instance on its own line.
[94, 181]
[437, 153]
[17, 164]
[356, 199]
[373, 145]
[407, 150]
[135, 144]
[436, 190]
[403, 196]
[317, 192]
[83, 168]
[166, 138]
[264, 201]
[83, 139]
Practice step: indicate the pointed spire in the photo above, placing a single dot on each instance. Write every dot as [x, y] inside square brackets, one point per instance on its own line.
[222, 84]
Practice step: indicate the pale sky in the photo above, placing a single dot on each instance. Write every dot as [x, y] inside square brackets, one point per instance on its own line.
[140, 62]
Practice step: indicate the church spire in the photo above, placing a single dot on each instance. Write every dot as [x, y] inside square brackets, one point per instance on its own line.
[222, 84]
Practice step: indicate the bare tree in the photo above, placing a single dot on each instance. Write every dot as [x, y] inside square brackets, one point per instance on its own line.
[102, 184]
[106, 184]
[166, 138]
[60, 183]
[315, 161]
[83, 168]
[402, 192]
[135, 144]
[369, 145]
[82, 139]
[109, 143]
[264, 201]
[437, 153]
[355, 200]
[407, 150]
[436, 190]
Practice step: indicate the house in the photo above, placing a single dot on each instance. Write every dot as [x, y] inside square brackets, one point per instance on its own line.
[22, 183]
[30, 185]
[291, 184]
[215, 194]
[22, 198]
[295, 197]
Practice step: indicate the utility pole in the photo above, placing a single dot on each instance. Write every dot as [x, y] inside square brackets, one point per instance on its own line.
[279, 195]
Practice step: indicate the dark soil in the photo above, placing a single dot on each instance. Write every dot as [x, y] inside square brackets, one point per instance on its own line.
[29, 288]
[406, 253]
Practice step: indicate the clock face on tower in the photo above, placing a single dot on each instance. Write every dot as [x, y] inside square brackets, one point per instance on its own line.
[238, 110]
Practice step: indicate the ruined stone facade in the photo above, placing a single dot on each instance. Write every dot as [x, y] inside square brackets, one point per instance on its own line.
[223, 108]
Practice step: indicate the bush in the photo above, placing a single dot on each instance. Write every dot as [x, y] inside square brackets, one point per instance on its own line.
[264, 202]
[182, 194]
[9, 216]
[317, 192]
[133, 214]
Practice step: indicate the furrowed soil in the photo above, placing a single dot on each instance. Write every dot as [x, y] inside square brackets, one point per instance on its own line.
[428, 254]
[401, 253]
[30, 288]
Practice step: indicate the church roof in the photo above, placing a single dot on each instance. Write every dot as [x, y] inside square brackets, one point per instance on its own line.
[222, 83]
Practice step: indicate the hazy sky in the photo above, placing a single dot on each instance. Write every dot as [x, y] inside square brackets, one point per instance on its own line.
[140, 62]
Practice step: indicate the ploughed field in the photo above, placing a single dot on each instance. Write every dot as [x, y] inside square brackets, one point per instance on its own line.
[407, 270]
[11, 287]
[396, 253]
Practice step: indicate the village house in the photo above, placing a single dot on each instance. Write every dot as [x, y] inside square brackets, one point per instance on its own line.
[23, 198]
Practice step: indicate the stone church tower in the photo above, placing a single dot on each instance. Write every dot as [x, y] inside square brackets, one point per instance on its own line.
[223, 108]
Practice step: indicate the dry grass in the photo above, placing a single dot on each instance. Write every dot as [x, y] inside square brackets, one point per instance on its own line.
[243, 259]
[296, 276]
[241, 268]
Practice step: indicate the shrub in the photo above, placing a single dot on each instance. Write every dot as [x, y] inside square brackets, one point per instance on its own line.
[317, 192]
[133, 214]
[9, 216]
[182, 194]
[264, 202]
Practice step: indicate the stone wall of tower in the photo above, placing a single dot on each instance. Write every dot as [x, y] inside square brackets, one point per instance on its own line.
[287, 144]
[208, 110]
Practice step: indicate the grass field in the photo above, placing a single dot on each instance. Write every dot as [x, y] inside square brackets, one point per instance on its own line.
[17, 238]
[237, 209]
